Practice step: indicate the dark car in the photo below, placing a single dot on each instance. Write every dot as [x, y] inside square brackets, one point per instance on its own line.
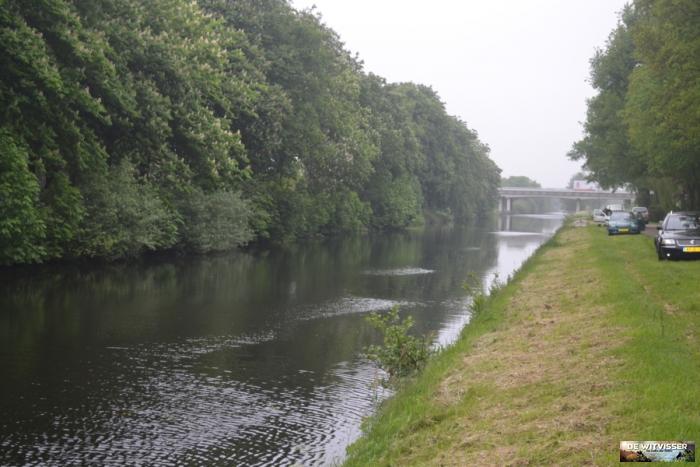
[641, 212]
[623, 222]
[642, 215]
[679, 236]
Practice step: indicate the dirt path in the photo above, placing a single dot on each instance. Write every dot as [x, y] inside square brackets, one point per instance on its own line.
[650, 229]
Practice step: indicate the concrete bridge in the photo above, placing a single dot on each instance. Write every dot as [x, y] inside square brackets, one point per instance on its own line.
[506, 196]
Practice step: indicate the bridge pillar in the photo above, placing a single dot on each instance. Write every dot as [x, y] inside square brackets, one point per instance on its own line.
[578, 204]
[505, 223]
[505, 204]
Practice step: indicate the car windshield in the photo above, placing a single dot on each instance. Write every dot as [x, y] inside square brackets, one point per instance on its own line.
[681, 222]
[620, 216]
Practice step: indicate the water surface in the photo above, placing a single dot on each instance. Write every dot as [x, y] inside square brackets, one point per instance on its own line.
[242, 358]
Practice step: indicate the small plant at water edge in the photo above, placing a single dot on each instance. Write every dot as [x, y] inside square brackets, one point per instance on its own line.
[474, 287]
[496, 284]
[401, 354]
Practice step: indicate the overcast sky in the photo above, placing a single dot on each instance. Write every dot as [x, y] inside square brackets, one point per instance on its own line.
[515, 70]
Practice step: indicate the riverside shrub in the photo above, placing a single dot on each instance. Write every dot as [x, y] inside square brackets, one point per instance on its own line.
[400, 354]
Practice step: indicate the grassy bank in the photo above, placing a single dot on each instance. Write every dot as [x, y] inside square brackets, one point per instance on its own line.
[594, 341]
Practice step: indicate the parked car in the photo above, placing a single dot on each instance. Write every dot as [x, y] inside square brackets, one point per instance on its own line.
[642, 212]
[614, 207]
[679, 236]
[622, 222]
[642, 216]
[599, 217]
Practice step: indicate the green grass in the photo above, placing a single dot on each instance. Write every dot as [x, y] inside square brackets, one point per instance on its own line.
[594, 341]
[413, 406]
[659, 304]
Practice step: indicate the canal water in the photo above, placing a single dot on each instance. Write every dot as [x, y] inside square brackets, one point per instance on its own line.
[236, 359]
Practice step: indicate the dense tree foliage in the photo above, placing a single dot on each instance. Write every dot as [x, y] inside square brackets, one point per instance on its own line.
[130, 126]
[643, 126]
[427, 159]
[519, 181]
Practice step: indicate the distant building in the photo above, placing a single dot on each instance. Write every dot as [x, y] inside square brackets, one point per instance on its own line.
[583, 185]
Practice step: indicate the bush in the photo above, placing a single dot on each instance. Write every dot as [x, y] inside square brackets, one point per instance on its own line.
[396, 203]
[216, 221]
[401, 354]
[125, 216]
[351, 214]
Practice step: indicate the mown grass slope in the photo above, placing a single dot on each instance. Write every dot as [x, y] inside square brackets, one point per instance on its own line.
[594, 341]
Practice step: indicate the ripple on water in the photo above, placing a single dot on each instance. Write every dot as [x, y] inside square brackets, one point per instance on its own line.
[171, 406]
[398, 272]
[351, 305]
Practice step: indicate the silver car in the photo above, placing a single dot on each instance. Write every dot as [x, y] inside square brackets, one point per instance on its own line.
[599, 217]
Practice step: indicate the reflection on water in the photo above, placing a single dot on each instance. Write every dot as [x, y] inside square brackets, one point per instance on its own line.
[246, 358]
[519, 237]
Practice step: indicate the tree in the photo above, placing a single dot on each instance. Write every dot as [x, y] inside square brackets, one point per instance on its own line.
[664, 94]
[131, 126]
[642, 126]
[606, 148]
[22, 229]
[519, 181]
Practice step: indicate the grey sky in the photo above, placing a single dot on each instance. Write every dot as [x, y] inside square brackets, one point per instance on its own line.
[515, 70]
